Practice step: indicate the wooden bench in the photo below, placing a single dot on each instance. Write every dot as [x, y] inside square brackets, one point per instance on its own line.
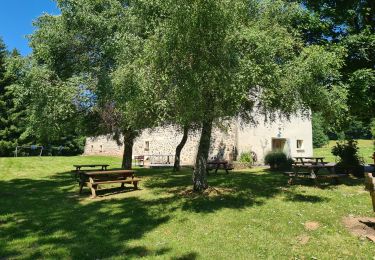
[370, 186]
[93, 179]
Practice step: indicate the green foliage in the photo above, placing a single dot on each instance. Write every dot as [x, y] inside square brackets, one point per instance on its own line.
[372, 128]
[246, 157]
[319, 130]
[350, 25]
[349, 160]
[278, 160]
[12, 115]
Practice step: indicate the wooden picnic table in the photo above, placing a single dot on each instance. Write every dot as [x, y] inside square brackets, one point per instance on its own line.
[95, 178]
[311, 160]
[312, 170]
[216, 164]
[79, 166]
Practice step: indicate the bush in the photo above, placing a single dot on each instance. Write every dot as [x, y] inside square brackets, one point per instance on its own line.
[278, 160]
[349, 160]
[246, 158]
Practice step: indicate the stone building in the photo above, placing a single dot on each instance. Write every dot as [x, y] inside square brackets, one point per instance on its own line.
[158, 145]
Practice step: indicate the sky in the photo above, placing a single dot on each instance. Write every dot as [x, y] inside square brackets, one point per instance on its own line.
[16, 18]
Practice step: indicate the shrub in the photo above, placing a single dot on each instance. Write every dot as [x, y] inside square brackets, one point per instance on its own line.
[245, 157]
[278, 160]
[349, 160]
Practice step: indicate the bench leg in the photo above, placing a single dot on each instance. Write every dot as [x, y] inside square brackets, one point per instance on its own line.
[93, 190]
[122, 185]
[372, 194]
[135, 183]
[290, 181]
[80, 187]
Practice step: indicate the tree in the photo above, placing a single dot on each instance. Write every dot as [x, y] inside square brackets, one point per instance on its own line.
[350, 24]
[319, 130]
[12, 115]
[82, 51]
[220, 59]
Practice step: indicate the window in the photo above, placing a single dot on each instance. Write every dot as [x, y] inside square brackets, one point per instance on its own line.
[299, 144]
[147, 146]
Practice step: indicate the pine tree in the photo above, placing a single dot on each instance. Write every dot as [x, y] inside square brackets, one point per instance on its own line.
[12, 115]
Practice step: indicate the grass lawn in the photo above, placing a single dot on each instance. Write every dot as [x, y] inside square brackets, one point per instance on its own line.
[366, 149]
[255, 215]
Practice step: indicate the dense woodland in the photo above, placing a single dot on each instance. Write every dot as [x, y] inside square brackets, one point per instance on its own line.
[119, 66]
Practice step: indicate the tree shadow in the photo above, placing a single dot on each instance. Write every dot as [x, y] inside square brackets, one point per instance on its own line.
[296, 197]
[241, 190]
[45, 214]
[55, 222]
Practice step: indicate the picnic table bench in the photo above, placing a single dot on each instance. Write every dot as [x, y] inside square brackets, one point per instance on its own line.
[217, 164]
[93, 179]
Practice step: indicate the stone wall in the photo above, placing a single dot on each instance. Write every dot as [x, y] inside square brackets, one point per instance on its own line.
[163, 141]
[237, 139]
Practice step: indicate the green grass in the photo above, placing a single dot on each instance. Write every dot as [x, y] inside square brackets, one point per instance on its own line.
[257, 216]
[366, 149]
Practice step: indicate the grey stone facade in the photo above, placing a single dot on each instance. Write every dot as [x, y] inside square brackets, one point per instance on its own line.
[295, 136]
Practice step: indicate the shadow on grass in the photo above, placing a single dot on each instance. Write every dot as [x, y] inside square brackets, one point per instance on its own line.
[241, 189]
[48, 218]
[53, 224]
[305, 198]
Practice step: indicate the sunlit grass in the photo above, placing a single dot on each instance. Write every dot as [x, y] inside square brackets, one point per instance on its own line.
[366, 149]
[254, 215]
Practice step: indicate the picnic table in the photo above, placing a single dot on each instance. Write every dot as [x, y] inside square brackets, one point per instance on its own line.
[308, 160]
[79, 166]
[139, 160]
[311, 170]
[217, 164]
[93, 179]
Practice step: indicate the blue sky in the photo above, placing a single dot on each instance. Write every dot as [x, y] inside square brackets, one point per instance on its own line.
[16, 18]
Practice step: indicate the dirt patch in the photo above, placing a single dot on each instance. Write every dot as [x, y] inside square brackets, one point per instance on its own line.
[303, 239]
[209, 192]
[312, 225]
[361, 227]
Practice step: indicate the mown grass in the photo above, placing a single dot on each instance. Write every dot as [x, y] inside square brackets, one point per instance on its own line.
[366, 149]
[256, 215]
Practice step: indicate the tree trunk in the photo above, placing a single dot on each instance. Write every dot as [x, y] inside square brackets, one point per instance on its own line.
[128, 151]
[180, 146]
[199, 175]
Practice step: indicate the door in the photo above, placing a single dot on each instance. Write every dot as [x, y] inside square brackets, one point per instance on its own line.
[278, 144]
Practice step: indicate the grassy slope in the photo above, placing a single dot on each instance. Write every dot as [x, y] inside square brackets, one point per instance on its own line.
[366, 149]
[41, 216]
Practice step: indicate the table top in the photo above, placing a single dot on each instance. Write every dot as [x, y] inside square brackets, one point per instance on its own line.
[314, 165]
[217, 162]
[90, 165]
[108, 172]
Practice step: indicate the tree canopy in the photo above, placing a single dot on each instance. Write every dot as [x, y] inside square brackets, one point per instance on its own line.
[117, 67]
